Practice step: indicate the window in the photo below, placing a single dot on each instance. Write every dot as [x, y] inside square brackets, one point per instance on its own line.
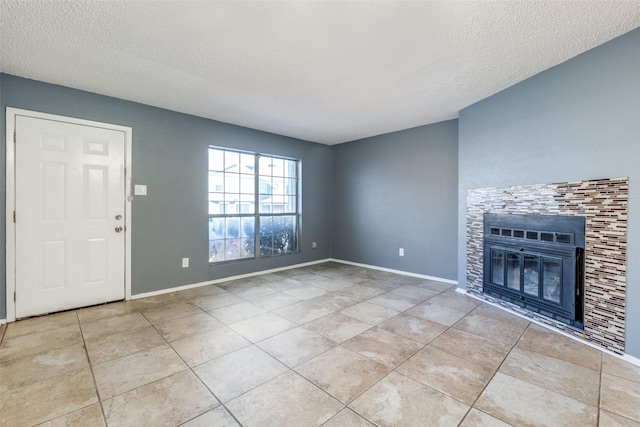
[253, 205]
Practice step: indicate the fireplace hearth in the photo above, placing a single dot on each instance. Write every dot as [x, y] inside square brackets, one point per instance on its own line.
[536, 262]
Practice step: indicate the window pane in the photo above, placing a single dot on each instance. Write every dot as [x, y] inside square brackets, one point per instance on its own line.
[277, 167]
[552, 279]
[266, 166]
[216, 250]
[513, 271]
[231, 161]
[216, 228]
[247, 163]
[291, 187]
[247, 184]
[216, 159]
[531, 274]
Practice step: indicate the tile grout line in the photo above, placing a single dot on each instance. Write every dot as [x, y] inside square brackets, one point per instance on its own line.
[190, 368]
[93, 377]
[472, 406]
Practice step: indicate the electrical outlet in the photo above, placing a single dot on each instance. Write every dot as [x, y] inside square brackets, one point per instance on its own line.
[314, 245]
[185, 262]
[401, 252]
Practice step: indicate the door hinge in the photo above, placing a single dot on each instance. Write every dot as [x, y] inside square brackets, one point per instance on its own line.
[14, 296]
[15, 137]
[14, 216]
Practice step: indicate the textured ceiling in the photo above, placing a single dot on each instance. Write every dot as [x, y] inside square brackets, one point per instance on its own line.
[327, 72]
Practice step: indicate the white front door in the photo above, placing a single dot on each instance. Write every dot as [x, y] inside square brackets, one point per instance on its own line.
[70, 215]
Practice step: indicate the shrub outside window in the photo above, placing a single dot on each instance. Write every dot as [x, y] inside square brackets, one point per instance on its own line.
[253, 205]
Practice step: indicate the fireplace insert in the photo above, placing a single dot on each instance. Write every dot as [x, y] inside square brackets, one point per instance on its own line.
[536, 262]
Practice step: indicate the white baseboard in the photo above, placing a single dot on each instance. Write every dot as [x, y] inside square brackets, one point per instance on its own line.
[390, 270]
[225, 279]
[3, 321]
[631, 359]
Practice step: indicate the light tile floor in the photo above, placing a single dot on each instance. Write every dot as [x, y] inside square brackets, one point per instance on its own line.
[327, 345]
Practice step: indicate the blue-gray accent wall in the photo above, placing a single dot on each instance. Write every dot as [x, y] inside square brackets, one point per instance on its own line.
[398, 190]
[577, 121]
[170, 156]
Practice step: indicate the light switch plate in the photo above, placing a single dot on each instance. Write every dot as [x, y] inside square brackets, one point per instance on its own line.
[140, 190]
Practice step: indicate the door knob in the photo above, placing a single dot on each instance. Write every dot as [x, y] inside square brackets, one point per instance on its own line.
[118, 229]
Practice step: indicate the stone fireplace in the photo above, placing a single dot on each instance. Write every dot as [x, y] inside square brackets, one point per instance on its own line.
[603, 205]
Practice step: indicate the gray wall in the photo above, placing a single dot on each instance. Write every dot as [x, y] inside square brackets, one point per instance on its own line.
[170, 156]
[577, 121]
[398, 190]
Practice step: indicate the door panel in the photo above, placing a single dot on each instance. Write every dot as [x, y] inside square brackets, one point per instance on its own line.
[70, 187]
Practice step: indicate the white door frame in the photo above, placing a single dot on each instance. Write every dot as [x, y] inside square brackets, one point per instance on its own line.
[10, 200]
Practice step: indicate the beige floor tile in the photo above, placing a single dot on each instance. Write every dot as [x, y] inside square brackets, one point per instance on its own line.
[275, 301]
[296, 346]
[520, 403]
[250, 290]
[435, 285]
[394, 301]
[338, 327]
[304, 312]
[158, 300]
[437, 313]
[288, 400]
[235, 373]
[361, 292]
[48, 399]
[454, 299]
[620, 396]
[498, 313]
[477, 418]
[398, 401]
[499, 330]
[305, 292]
[27, 370]
[284, 284]
[609, 419]
[383, 285]
[218, 417]
[333, 285]
[419, 330]
[336, 302]
[415, 292]
[263, 326]
[212, 302]
[201, 291]
[200, 348]
[120, 308]
[176, 329]
[451, 375]
[236, 312]
[126, 373]
[481, 350]
[41, 324]
[383, 346]
[85, 417]
[170, 311]
[370, 313]
[111, 325]
[342, 373]
[37, 342]
[347, 418]
[550, 343]
[121, 344]
[168, 402]
[620, 368]
[566, 378]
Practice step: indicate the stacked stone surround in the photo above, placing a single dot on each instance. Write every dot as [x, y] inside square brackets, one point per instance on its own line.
[603, 203]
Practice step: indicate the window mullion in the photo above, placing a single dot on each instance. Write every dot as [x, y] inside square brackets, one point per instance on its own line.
[256, 204]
